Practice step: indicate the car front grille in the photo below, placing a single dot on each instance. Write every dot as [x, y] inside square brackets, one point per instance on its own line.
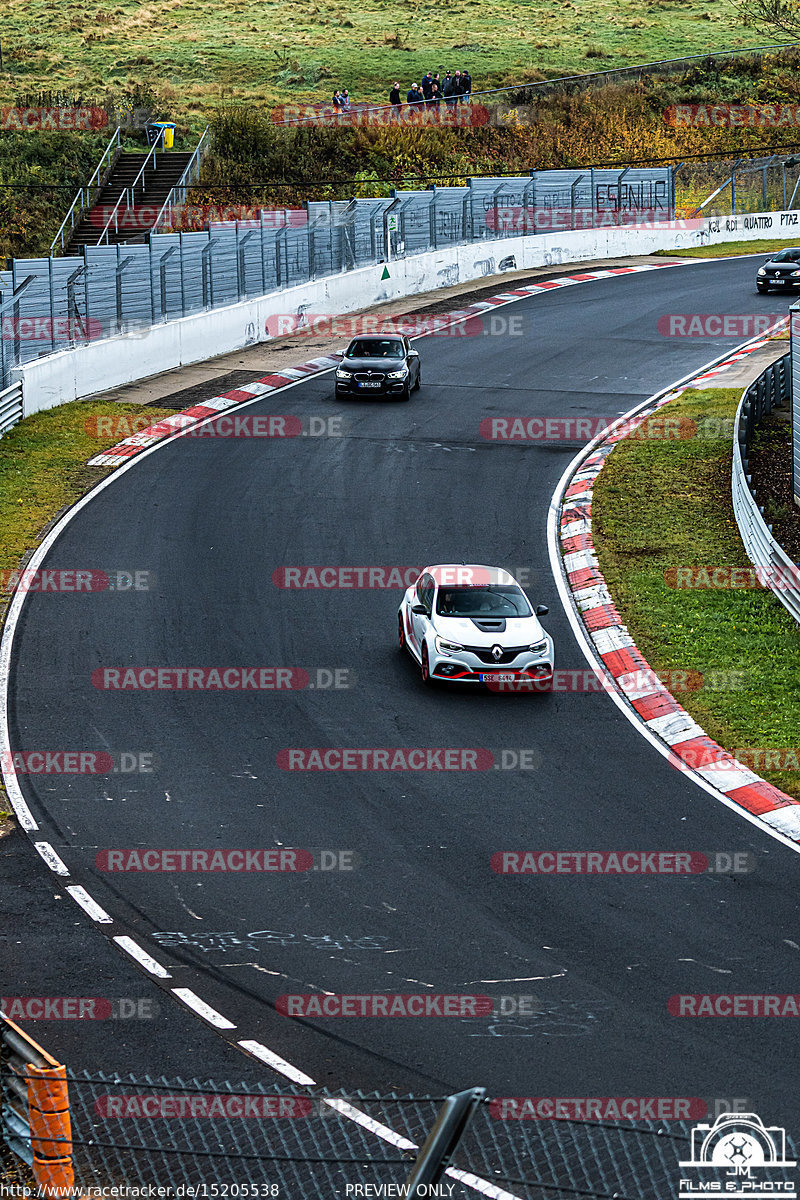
[485, 654]
[371, 376]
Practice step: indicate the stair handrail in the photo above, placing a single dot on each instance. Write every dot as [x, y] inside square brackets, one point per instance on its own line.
[190, 173]
[115, 141]
[128, 191]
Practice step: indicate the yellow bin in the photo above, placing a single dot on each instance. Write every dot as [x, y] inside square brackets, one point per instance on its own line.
[169, 135]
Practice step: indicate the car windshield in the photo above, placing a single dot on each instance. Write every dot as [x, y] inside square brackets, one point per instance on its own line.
[791, 255]
[375, 348]
[493, 600]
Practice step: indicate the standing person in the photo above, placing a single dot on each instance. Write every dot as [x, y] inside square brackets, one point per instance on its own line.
[436, 96]
[344, 100]
[447, 90]
[427, 81]
[394, 98]
[337, 99]
[414, 98]
[466, 86]
[457, 92]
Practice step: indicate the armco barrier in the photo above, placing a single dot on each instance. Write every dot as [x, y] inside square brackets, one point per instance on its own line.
[11, 409]
[34, 1109]
[771, 389]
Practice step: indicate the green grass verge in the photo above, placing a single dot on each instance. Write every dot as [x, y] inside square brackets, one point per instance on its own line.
[729, 249]
[199, 50]
[43, 469]
[664, 504]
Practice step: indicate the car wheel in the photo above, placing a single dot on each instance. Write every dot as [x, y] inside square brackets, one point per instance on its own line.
[418, 384]
[761, 287]
[425, 668]
[401, 633]
[406, 393]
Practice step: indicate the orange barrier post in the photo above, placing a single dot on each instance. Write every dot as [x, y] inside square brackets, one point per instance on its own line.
[51, 1129]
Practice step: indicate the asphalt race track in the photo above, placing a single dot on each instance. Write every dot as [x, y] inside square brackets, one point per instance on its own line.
[407, 484]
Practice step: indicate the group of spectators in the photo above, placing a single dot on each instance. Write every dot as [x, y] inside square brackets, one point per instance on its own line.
[452, 88]
[341, 100]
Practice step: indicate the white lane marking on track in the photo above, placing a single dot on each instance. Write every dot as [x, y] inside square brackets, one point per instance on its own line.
[142, 957]
[51, 858]
[480, 1185]
[277, 1063]
[90, 907]
[565, 595]
[13, 790]
[193, 1001]
[516, 979]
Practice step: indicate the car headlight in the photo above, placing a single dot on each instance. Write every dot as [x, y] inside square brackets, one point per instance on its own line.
[397, 374]
[795, 273]
[341, 373]
[443, 647]
[538, 647]
[762, 270]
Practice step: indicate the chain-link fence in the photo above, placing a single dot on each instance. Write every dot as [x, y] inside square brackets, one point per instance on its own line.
[173, 1133]
[730, 186]
[49, 304]
[703, 64]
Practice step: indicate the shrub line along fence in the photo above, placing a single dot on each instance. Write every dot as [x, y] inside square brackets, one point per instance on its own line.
[772, 389]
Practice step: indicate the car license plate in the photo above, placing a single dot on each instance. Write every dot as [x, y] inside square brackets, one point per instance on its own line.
[497, 678]
[370, 384]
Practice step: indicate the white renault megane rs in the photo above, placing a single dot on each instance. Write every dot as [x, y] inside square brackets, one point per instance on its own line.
[474, 624]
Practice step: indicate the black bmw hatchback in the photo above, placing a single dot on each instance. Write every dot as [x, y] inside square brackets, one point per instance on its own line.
[780, 271]
[379, 366]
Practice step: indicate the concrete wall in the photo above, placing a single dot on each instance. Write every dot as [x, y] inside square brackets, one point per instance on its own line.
[113, 362]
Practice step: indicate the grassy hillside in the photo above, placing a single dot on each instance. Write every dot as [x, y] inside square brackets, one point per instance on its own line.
[619, 122]
[197, 51]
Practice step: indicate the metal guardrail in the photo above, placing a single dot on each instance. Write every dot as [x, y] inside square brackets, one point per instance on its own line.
[34, 1109]
[17, 1053]
[177, 195]
[11, 410]
[83, 199]
[772, 389]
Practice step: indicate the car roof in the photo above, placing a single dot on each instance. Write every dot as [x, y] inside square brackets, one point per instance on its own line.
[377, 337]
[436, 568]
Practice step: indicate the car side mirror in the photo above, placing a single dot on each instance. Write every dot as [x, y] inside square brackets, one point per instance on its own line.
[542, 610]
[413, 354]
[419, 609]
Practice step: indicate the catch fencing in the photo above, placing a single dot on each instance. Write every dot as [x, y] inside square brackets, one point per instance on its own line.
[730, 186]
[143, 1130]
[772, 389]
[51, 304]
